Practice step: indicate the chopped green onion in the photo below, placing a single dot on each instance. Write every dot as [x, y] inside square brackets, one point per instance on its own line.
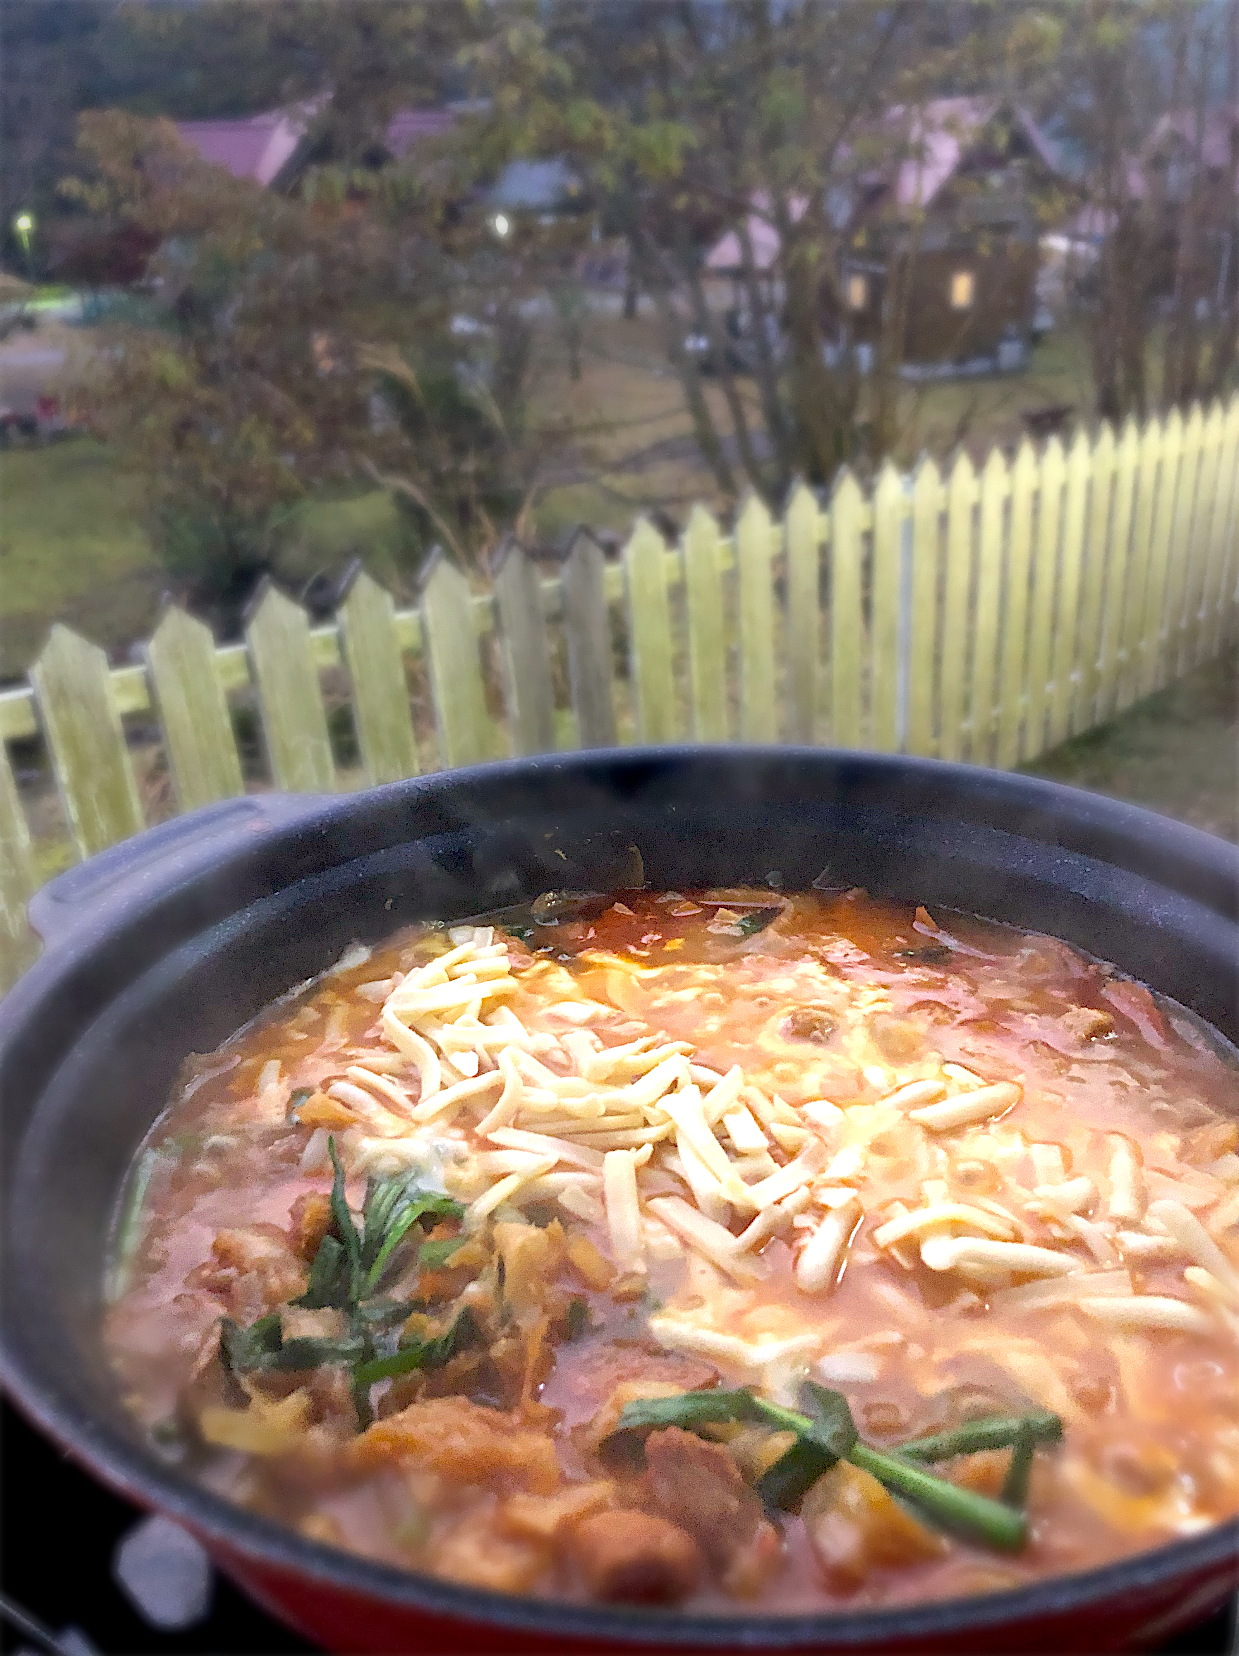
[748, 925]
[828, 1434]
[990, 1432]
[435, 1254]
[1015, 1484]
[689, 1409]
[944, 1503]
[423, 1354]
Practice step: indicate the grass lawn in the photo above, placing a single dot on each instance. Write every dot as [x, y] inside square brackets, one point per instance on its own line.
[1176, 753]
[634, 450]
[71, 550]
[621, 443]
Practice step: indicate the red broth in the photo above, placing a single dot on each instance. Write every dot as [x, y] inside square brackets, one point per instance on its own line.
[675, 1144]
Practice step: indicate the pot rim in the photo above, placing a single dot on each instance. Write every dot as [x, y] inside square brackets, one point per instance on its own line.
[136, 1473]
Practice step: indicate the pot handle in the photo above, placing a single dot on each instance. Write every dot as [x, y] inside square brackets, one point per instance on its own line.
[162, 856]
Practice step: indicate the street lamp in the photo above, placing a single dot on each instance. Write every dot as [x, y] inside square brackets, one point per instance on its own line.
[23, 228]
[501, 224]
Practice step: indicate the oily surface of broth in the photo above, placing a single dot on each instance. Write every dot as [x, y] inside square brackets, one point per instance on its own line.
[673, 1143]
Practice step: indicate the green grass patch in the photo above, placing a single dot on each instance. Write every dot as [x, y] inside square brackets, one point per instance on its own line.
[1176, 752]
[326, 535]
[71, 549]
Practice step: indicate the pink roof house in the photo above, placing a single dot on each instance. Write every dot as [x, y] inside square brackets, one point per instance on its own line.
[259, 146]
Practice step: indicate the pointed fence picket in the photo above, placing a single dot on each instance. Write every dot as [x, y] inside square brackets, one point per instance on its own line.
[961, 498]
[707, 645]
[886, 676]
[759, 720]
[293, 715]
[380, 692]
[649, 627]
[587, 624]
[1012, 696]
[81, 721]
[846, 619]
[193, 711]
[522, 623]
[970, 614]
[923, 623]
[802, 541]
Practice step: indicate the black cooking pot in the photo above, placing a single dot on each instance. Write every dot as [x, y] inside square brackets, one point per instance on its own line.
[165, 944]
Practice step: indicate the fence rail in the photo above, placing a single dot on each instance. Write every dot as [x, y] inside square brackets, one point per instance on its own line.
[981, 614]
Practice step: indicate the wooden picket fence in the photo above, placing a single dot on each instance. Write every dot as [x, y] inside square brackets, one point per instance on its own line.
[972, 615]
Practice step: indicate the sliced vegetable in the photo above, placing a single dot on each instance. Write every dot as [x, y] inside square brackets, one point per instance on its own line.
[298, 1097]
[349, 1264]
[689, 1410]
[945, 1504]
[825, 1434]
[262, 1346]
[331, 1278]
[434, 1255]
[396, 1216]
[748, 925]
[930, 954]
[423, 1354]
[309, 1352]
[243, 1349]
[553, 906]
[791, 1477]
[342, 1219]
[989, 1432]
[1015, 1484]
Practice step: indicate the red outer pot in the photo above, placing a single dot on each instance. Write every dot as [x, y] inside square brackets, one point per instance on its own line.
[354, 1625]
[167, 943]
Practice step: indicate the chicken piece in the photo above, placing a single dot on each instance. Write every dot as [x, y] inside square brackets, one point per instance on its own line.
[479, 1554]
[898, 1039]
[308, 1221]
[985, 1472]
[1087, 1022]
[253, 1269]
[249, 1248]
[855, 1527]
[1134, 1002]
[1217, 1138]
[462, 1440]
[543, 1516]
[752, 1566]
[635, 1557]
[589, 1376]
[530, 1256]
[698, 1486]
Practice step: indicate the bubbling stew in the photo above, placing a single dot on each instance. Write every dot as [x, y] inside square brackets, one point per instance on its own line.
[710, 1248]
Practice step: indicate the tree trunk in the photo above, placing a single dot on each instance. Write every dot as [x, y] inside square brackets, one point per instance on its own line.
[823, 420]
[704, 429]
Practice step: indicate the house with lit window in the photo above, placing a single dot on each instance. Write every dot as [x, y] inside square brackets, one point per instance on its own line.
[939, 243]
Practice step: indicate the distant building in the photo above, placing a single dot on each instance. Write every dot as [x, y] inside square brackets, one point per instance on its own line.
[542, 189]
[275, 147]
[955, 216]
[269, 147]
[256, 147]
[1189, 165]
